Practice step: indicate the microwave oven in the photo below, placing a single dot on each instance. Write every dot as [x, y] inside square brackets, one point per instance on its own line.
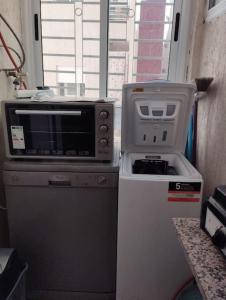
[79, 130]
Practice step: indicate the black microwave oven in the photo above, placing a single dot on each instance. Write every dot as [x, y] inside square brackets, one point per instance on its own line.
[80, 130]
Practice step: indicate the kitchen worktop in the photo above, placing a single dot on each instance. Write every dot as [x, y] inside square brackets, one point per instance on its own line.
[206, 262]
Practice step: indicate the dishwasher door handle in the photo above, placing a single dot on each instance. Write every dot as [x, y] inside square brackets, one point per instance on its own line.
[59, 183]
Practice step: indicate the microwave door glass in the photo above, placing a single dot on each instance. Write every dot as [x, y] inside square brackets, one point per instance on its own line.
[58, 131]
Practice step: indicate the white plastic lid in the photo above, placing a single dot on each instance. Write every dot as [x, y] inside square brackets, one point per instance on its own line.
[155, 116]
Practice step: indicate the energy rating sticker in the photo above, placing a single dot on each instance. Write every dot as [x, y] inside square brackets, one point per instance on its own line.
[184, 191]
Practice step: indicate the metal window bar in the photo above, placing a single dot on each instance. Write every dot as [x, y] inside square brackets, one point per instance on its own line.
[154, 3]
[60, 87]
[152, 40]
[67, 2]
[59, 54]
[113, 18]
[47, 37]
[69, 72]
[84, 56]
[58, 20]
[148, 58]
[149, 74]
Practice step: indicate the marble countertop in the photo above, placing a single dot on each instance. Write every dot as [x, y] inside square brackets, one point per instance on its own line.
[206, 262]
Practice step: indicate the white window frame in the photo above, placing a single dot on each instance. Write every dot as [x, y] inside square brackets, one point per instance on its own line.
[218, 10]
[179, 56]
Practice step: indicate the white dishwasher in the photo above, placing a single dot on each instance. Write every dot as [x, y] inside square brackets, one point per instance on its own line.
[63, 221]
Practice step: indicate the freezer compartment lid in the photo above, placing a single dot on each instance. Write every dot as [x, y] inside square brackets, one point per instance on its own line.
[155, 116]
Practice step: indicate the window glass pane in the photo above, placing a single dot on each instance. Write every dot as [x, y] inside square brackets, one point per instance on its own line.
[49, 13]
[139, 35]
[148, 77]
[115, 81]
[58, 62]
[150, 48]
[117, 31]
[91, 47]
[146, 29]
[91, 80]
[91, 12]
[58, 46]
[58, 29]
[91, 30]
[116, 65]
[96, 1]
[92, 93]
[91, 64]
[213, 3]
[71, 46]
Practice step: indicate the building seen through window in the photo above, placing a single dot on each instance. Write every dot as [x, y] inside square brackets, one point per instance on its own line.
[138, 44]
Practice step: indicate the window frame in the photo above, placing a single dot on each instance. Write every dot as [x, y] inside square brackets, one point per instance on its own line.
[179, 52]
[215, 11]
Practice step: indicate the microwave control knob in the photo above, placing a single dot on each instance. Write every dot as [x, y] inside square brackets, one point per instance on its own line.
[103, 142]
[101, 180]
[103, 128]
[104, 114]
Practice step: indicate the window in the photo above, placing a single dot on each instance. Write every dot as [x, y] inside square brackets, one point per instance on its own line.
[213, 3]
[215, 8]
[92, 47]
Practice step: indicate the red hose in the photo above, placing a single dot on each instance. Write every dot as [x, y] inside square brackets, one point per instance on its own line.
[182, 287]
[10, 56]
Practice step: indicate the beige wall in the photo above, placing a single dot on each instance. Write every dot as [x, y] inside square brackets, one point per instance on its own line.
[10, 9]
[209, 60]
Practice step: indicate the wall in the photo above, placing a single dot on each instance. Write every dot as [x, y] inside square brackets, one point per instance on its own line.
[11, 11]
[208, 60]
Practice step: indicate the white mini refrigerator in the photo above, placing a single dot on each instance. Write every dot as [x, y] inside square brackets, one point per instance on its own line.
[156, 184]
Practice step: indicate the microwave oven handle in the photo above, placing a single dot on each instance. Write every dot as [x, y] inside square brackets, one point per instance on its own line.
[49, 112]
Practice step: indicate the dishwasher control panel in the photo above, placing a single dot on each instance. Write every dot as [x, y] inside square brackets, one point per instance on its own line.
[15, 178]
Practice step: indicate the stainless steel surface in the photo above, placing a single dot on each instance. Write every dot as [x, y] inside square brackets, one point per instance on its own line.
[63, 221]
[45, 179]
[64, 166]
[104, 119]
[48, 112]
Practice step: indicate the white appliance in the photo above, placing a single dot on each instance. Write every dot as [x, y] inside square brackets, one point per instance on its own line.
[150, 260]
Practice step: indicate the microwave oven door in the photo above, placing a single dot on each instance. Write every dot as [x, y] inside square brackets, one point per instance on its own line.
[51, 130]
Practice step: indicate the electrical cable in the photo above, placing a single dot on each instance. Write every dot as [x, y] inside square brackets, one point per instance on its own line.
[18, 56]
[18, 40]
[8, 52]
[10, 56]
[187, 282]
